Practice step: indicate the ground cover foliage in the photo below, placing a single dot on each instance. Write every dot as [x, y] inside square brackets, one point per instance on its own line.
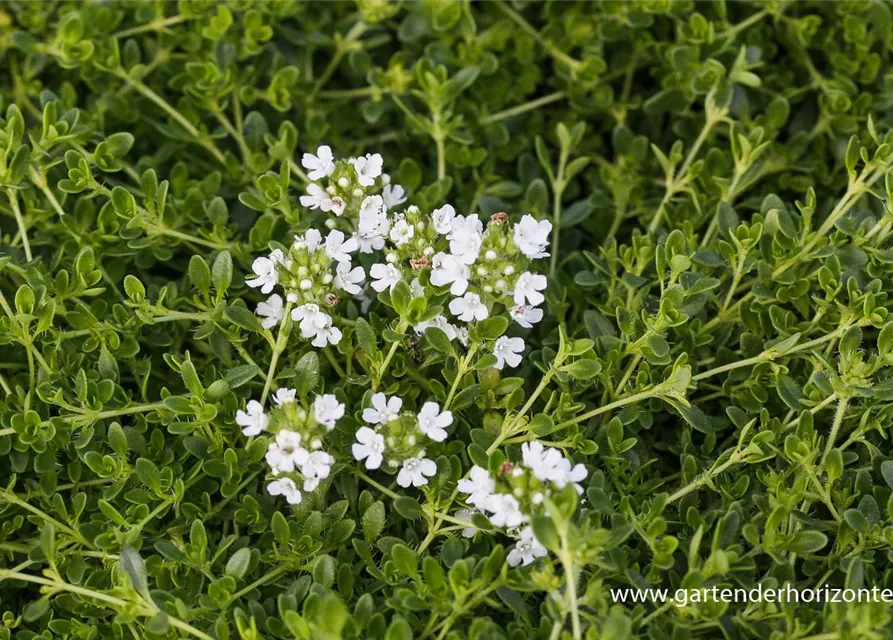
[260, 381]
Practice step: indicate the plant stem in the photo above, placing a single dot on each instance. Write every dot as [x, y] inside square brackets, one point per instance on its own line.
[557, 191]
[460, 373]
[705, 477]
[835, 426]
[374, 483]
[278, 348]
[275, 573]
[143, 89]
[622, 402]
[523, 108]
[112, 413]
[23, 230]
[554, 51]
[118, 603]
[570, 577]
[376, 382]
[770, 354]
[155, 25]
[342, 47]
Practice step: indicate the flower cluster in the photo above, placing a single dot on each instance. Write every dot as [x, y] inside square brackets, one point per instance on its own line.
[397, 438]
[481, 267]
[314, 273]
[295, 455]
[342, 186]
[486, 267]
[520, 491]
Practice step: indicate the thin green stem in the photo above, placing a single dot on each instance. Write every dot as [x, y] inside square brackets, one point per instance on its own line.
[460, 373]
[111, 413]
[342, 48]
[770, 354]
[148, 609]
[23, 230]
[839, 416]
[144, 90]
[382, 370]
[554, 51]
[155, 25]
[558, 186]
[523, 108]
[622, 402]
[279, 347]
[374, 483]
[272, 575]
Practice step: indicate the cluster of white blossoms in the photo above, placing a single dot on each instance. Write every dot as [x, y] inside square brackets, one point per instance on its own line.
[314, 273]
[487, 267]
[342, 186]
[397, 438]
[295, 456]
[520, 491]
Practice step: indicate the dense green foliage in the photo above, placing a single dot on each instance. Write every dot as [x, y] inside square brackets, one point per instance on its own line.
[716, 348]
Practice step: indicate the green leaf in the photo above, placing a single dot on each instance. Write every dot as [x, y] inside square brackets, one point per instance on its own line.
[222, 272]
[373, 521]
[307, 373]
[133, 566]
[584, 369]
[237, 565]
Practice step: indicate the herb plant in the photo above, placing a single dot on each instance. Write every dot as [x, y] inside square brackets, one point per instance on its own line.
[444, 319]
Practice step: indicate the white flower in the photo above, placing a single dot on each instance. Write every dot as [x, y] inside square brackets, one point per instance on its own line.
[393, 195]
[320, 165]
[402, 232]
[285, 487]
[383, 409]
[337, 205]
[532, 236]
[528, 287]
[271, 311]
[265, 271]
[562, 473]
[286, 453]
[465, 237]
[368, 168]
[316, 198]
[337, 248]
[479, 485]
[254, 420]
[369, 446]
[464, 515]
[311, 240]
[505, 510]
[416, 288]
[311, 319]
[508, 352]
[283, 396]
[414, 471]
[316, 468]
[442, 219]
[526, 315]
[373, 224]
[348, 279]
[432, 421]
[327, 334]
[527, 550]
[469, 307]
[546, 464]
[441, 322]
[327, 410]
[386, 276]
[450, 270]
